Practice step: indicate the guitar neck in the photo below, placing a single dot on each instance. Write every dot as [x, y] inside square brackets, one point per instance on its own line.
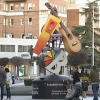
[61, 23]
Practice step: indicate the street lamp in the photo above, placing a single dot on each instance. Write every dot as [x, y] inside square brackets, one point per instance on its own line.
[93, 36]
[93, 39]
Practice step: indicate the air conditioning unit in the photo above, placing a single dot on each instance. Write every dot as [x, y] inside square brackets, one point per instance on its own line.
[9, 35]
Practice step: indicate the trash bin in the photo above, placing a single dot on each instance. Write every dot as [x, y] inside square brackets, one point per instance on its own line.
[85, 85]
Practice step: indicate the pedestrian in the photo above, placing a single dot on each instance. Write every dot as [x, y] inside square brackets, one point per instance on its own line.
[8, 83]
[76, 76]
[86, 73]
[82, 74]
[94, 76]
[2, 80]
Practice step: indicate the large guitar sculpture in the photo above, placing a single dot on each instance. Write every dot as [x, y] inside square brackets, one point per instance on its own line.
[56, 57]
[71, 43]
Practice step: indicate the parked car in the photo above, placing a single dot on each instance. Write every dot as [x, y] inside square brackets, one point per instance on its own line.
[14, 76]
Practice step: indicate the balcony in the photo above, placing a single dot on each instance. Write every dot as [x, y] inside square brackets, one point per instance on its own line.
[14, 0]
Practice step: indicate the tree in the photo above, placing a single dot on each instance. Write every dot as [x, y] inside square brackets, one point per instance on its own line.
[17, 61]
[41, 63]
[85, 32]
[77, 58]
[4, 61]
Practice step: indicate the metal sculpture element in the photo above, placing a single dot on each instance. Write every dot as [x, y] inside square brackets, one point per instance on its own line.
[59, 60]
[48, 29]
[48, 42]
[53, 40]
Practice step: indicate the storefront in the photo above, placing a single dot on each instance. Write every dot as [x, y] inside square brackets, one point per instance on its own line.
[19, 47]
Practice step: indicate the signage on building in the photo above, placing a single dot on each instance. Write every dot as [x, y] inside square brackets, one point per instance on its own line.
[24, 55]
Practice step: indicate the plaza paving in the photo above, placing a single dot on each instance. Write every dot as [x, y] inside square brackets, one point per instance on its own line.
[30, 98]
[21, 92]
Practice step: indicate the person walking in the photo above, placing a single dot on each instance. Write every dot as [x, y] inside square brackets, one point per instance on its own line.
[8, 83]
[76, 76]
[2, 80]
[94, 76]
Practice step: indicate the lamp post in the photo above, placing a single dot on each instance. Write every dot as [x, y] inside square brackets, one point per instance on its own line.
[93, 36]
[93, 39]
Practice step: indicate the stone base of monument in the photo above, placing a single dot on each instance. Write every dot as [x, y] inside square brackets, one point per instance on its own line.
[50, 87]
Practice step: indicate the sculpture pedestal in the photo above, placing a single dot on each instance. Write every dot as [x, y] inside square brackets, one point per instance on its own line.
[50, 87]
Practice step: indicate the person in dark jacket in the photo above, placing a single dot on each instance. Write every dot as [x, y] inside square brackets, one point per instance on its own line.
[2, 80]
[94, 76]
[76, 77]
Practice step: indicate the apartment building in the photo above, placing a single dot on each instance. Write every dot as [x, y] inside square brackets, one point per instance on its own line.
[21, 20]
[75, 19]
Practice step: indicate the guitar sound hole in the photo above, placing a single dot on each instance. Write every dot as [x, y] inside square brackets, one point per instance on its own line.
[69, 36]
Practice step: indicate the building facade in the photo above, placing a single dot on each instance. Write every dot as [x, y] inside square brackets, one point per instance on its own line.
[20, 26]
[25, 18]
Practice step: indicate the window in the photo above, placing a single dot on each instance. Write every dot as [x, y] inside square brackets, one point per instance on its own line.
[20, 48]
[22, 35]
[22, 6]
[30, 21]
[3, 6]
[11, 21]
[2, 48]
[29, 6]
[71, 1]
[52, 5]
[24, 48]
[7, 48]
[11, 7]
[12, 35]
[4, 21]
[59, 8]
[30, 34]
[6, 7]
[4, 35]
[22, 21]
[64, 9]
[12, 48]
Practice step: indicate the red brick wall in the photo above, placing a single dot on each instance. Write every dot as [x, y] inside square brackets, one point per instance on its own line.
[0, 26]
[0, 21]
[72, 18]
[17, 28]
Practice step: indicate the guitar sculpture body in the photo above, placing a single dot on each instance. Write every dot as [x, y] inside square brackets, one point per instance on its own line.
[71, 43]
